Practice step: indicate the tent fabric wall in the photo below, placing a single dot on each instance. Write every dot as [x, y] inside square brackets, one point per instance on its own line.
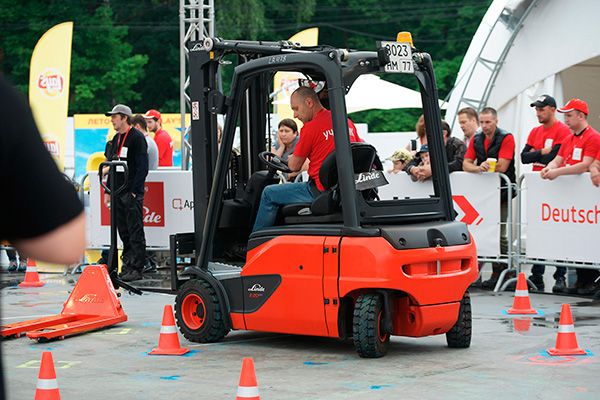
[555, 52]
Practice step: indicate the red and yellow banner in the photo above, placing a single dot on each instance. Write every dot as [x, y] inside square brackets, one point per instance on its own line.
[49, 87]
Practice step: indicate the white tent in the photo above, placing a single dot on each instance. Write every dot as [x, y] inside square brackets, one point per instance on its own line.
[371, 92]
[525, 48]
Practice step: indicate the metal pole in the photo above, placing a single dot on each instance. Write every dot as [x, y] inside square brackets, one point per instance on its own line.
[509, 234]
[182, 75]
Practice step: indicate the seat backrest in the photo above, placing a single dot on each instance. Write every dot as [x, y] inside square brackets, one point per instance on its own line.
[363, 157]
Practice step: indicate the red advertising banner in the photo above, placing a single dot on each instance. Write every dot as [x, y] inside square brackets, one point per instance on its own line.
[154, 205]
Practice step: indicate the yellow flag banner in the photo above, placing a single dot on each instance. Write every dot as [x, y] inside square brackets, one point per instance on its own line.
[285, 83]
[49, 87]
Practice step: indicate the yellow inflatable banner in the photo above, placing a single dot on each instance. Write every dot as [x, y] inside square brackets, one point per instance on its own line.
[49, 77]
[285, 83]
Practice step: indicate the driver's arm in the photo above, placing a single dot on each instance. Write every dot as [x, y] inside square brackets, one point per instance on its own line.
[296, 162]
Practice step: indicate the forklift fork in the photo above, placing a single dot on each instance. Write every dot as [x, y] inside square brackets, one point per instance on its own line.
[93, 304]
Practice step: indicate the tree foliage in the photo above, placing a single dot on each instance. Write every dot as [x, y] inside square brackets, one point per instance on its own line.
[103, 68]
[129, 52]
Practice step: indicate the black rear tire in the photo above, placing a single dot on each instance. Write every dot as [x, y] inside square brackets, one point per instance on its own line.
[459, 337]
[198, 312]
[370, 340]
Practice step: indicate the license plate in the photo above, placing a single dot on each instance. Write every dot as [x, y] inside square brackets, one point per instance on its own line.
[400, 58]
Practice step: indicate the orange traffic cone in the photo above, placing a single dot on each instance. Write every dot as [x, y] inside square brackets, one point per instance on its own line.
[566, 341]
[521, 303]
[32, 279]
[47, 387]
[248, 388]
[168, 342]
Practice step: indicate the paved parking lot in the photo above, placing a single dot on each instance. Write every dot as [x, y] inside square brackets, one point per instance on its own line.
[113, 363]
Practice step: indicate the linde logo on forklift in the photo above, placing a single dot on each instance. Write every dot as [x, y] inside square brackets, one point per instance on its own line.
[277, 59]
[256, 288]
[369, 180]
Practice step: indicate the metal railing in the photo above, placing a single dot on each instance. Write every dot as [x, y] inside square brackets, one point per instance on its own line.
[516, 256]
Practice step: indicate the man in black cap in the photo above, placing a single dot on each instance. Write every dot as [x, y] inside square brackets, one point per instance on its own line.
[542, 146]
[129, 145]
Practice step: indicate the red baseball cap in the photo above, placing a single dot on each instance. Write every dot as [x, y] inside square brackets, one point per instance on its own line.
[575, 104]
[152, 114]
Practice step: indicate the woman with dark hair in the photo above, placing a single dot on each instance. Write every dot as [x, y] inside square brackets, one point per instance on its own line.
[287, 138]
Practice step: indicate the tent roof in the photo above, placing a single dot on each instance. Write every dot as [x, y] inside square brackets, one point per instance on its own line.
[555, 35]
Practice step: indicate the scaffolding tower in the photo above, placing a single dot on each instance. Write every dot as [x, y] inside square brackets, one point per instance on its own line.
[196, 21]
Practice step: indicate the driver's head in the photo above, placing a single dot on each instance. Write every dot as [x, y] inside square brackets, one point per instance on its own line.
[305, 104]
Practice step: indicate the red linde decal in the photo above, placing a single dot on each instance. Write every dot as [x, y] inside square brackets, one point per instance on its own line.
[570, 215]
[154, 205]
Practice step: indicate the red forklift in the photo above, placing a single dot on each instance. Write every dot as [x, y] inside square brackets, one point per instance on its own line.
[347, 265]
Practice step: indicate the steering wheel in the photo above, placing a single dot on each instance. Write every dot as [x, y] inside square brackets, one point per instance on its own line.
[274, 162]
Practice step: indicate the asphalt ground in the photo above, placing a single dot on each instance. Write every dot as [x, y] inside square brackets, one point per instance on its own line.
[507, 357]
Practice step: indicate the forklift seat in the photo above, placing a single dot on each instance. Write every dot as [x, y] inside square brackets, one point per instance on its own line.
[326, 206]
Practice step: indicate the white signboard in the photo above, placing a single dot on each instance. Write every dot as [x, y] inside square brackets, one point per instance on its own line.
[476, 200]
[168, 208]
[563, 218]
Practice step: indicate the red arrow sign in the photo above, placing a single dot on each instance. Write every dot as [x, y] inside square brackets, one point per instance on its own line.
[471, 213]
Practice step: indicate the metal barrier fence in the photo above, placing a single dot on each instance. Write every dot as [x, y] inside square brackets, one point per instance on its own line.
[515, 257]
[508, 258]
[518, 254]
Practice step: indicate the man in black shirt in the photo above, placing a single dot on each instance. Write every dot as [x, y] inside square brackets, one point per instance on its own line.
[129, 145]
[46, 221]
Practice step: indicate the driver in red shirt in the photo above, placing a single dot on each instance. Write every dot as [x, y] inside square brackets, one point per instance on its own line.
[315, 144]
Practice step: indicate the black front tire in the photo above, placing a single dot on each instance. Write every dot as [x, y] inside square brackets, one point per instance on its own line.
[370, 340]
[198, 312]
[459, 337]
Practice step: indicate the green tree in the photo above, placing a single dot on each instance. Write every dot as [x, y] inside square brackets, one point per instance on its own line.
[129, 52]
[103, 68]
[443, 29]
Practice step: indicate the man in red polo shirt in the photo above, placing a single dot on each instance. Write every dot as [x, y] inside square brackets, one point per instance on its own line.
[595, 176]
[578, 150]
[544, 140]
[542, 146]
[493, 142]
[316, 142]
[595, 170]
[161, 137]
[575, 156]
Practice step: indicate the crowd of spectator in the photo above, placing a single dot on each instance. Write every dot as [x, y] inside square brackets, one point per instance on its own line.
[553, 148]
